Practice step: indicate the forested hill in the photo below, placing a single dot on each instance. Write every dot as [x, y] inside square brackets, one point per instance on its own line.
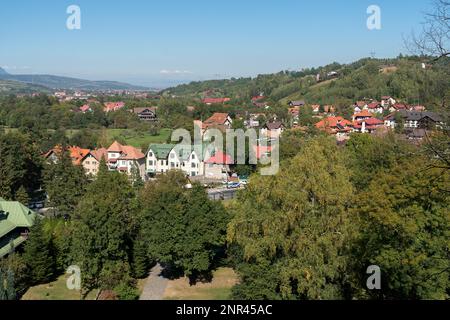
[404, 78]
[58, 82]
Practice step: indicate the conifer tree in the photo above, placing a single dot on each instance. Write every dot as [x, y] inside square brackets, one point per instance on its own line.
[37, 255]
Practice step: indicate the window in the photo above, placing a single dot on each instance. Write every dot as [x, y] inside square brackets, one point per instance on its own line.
[193, 165]
[172, 156]
[193, 174]
[150, 154]
[193, 156]
[172, 165]
[150, 163]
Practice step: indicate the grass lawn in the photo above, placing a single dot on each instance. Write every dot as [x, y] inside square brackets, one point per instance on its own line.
[130, 136]
[138, 139]
[219, 289]
[56, 290]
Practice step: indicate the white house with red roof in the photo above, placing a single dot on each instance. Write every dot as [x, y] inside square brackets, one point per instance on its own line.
[217, 165]
[125, 159]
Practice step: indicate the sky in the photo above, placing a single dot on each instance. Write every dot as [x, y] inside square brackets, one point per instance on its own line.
[158, 43]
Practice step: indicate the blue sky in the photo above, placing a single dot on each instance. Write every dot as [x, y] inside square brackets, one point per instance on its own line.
[154, 42]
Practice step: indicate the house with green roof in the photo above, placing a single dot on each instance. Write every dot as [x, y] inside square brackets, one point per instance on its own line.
[187, 158]
[15, 223]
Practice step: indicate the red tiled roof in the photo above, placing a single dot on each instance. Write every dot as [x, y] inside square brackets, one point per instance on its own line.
[127, 152]
[400, 106]
[77, 154]
[373, 122]
[113, 106]
[256, 98]
[363, 114]
[220, 158]
[85, 108]
[131, 153]
[373, 105]
[100, 153]
[215, 100]
[217, 119]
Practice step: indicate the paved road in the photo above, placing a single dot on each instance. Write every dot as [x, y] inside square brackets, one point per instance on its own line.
[155, 285]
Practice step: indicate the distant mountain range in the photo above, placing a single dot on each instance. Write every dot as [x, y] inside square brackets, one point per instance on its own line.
[57, 82]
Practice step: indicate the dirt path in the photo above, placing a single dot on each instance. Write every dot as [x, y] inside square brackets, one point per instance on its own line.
[155, 285]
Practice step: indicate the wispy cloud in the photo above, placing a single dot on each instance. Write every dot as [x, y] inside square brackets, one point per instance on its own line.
[172, 72]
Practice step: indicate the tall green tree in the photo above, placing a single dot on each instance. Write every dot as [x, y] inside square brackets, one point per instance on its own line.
[37, 255]
[293, 228]
[182, 227]
[104, 223]
[20, 165]
[404, 224]
[65, 184]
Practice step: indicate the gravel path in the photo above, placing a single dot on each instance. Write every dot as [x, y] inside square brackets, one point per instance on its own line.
[155, 285]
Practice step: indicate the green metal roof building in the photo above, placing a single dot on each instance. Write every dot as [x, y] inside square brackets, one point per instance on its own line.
[15, 222]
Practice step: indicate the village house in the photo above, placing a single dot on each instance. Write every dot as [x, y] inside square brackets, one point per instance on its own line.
[273, 129]
[365, 122]
[335, 126]
[15, 223]
[329, 109]
[414, 119]
[387, 101]
[209, 101]
[221, 121]
[296, 103]
[85, 108]
[126, 159]
[146, 114]
[375, 107]
[253, 120]
[315, 108]
[398, 107]
[369, 125]
[76, 154]
[113, 106]
[363, 115]
[217, 166]
[164, 157]
[360, 106]
[91, 161]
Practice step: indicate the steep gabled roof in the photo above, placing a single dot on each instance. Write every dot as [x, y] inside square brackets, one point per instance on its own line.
[131, 153]
[161, 151]
[115, 147]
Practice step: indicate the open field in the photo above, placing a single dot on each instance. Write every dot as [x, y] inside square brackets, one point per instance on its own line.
[56, 290]
[129, 136]
[218, 289]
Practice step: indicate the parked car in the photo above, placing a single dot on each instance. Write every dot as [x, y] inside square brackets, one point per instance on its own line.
[233, 185]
